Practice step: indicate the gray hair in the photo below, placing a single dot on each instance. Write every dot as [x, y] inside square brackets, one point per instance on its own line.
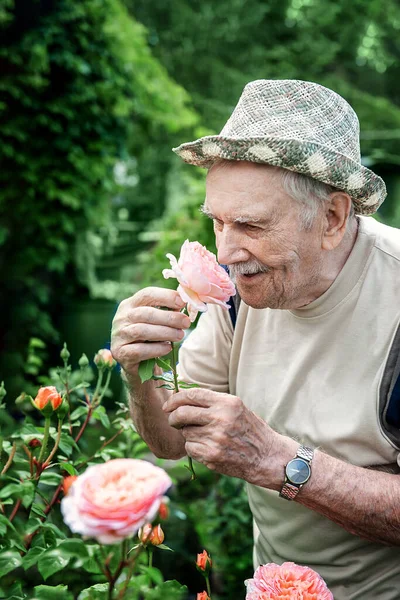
[310, 192]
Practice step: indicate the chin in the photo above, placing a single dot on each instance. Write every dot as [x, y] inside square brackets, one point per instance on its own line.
[260, 300]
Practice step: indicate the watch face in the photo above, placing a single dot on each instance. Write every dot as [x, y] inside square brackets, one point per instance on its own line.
[298, 471]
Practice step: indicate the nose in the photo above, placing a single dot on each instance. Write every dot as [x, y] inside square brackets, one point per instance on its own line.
[230, 247]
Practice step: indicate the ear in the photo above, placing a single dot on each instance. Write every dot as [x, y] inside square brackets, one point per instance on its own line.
[336, 218]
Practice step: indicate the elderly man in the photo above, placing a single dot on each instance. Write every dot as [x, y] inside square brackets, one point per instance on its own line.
[299, 398]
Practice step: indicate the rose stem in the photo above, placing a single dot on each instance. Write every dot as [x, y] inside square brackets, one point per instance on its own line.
[57, 442]
[208, 586]
[10, 459]
[45, 439]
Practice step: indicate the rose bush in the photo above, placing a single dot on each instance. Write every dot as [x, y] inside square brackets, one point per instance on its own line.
[64, 446]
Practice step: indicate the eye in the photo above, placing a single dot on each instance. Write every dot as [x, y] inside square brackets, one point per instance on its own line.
[218, 224]
[252, 227]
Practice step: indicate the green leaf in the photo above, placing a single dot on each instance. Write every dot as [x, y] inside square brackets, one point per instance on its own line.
[95, 592]
[164, 547]
[47, 592]
[31, 557]
[24, 491]
[186, 386]
[146, 368]
[164, 364]
[51, 562]
[100, 414]
[13, 592]
[69, 468]
[51, 527]
[79, 412]
[154, 574]
[9, 561]
[74, 547]
[67, 444]
[50, 478]
[38, 510]
[10, 490]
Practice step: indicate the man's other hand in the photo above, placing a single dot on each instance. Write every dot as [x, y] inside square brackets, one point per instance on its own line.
[222, 433]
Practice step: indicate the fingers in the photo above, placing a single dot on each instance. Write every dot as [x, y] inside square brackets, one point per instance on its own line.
[194, 397]
[188, 416]
[139, 320]
[153, 296]
[142, 332]
[155, 316]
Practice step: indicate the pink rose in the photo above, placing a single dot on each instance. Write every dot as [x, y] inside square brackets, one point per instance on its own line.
[111, 501]
[201, 279]
[288, 581]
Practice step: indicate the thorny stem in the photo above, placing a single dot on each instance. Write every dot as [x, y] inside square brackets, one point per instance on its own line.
[105, 388]
[15, 509]
[10, 458]
[45, 439]
[56, 444]
[84, 424]
[98, 385]
[131, 563]
[30, 456]
[101, 448]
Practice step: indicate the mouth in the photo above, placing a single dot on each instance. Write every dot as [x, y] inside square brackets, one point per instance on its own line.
[250, 276]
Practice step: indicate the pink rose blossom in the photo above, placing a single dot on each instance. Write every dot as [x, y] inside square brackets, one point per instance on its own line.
[288, 581]
[111, 501]
[201, 279]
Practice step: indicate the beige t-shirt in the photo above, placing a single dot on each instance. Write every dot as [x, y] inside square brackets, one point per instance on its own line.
[314, 374]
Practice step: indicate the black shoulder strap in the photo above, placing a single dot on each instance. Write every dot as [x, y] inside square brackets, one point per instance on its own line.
[234, 302]
[389, 405]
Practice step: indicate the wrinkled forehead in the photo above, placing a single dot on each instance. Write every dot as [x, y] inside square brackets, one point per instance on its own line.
[243, 191]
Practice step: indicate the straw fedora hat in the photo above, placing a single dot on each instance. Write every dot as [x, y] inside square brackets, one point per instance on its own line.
[300, 126]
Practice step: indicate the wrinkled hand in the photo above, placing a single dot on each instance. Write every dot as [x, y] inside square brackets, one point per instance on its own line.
[140, 320]
[222, 433]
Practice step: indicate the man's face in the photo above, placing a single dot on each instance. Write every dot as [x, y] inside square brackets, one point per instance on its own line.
[274, 262]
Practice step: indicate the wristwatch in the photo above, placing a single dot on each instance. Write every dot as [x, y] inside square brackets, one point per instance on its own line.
[297, 473]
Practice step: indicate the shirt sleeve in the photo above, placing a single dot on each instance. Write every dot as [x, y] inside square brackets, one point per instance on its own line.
[204, 355]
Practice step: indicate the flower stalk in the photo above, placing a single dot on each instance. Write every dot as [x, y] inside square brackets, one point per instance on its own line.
[45, 439]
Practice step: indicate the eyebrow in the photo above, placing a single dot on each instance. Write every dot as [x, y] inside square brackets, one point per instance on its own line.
[242, 219]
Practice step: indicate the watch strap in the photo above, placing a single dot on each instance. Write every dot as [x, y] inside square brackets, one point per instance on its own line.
[306, 453]
[289, 491]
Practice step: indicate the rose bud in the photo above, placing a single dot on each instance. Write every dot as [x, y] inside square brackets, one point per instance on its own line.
[35, 443]
[104, 359]
[83, 361]
[203, 562]
[47, 400]
[68, 481]
[203, 596]
[145, 532]
[157, 536]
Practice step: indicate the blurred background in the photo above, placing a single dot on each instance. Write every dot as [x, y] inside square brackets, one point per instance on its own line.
[93, 96]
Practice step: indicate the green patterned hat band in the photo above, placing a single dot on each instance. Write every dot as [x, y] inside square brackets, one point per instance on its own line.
[296, 125]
